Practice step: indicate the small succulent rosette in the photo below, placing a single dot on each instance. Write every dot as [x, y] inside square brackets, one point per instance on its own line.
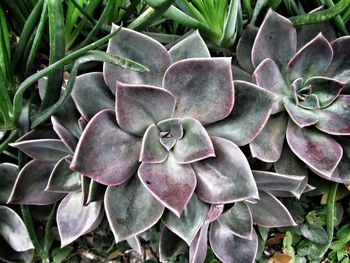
[308, 69]
[169, 139]
[47, 178]
[229, 229]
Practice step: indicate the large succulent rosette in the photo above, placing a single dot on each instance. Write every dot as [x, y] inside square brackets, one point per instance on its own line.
[163, 139]
[308, 69]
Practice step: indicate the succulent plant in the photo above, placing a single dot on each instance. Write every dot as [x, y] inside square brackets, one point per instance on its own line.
[47, 178]
[174, 126]
[310, 76]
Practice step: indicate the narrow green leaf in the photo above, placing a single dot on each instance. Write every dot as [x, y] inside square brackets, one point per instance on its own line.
[230, 24]
[321, 16]
[56, 32]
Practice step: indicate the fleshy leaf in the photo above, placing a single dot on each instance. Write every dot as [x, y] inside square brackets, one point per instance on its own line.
[8, 254]
[91, 94]
[31, 183]
[335, 119]
[270, 181]
[339, 68]
[238, 220]
[214, 212]
[267, 146]
[49, 150]
[65, 135]
[244, 48]
[139, 106]
[96, 192]
[318, 150]
[307, 32]
[326, 89]
[74, 219]
[62, 179]
[195, 145]
[203, 88]
[342, 173]
[270, 212]
[170, 245]
[239, 74]
[152, 151]
[140, 48]
[106, 153]
[312, 60]
[268, 76]
[227, 177]
[191, 220]
[13, 230]
[289, 163]
[252, 109]
[8, 175]
[231, 248]
[169, 182]
[135, 211]
[311, 102]
[276, 39]
[135, 243]
[172, 126]
[192, 46]
[198, 247]
[302, 117]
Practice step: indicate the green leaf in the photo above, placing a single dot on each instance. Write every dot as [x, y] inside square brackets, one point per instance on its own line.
[59, 255]
[315, 233]
[343, 233]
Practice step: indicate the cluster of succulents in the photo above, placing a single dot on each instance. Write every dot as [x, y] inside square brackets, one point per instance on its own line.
[164, 146]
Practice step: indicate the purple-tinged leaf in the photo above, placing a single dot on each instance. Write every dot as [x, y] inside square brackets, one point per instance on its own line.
[312, 60]
[138, 106]
[267, 146]
[270, 212]
[106, 153]
[65, 135]
[339, 68]
[170, 183]
[49, 150]
[62, 179]
[302, 117]
[326, 89]
[140, 48]
[310, 103]
[198, 247]
[135, 243]
[228, 247]
[195, 145]
[45, 132]
[30, 185]
[239, 74]
[227, 177]
[335, 119]
[214, 212]
[152, 151]
[252, 109]
[8, 175]
[85, 188]
[270, 181]
[268, 76]
[316, 149]
[341, 174]
[306, 33]
[82, 123]
[91, 94]
[244, 48]
[191, 220]
[192, 46]
[68, 116]
[276, 39]
[238, 220]
[203, 88]
[172, 127]
[13, 230]
[8, 254]
[131, 209]
[74, 219]
[170, 245]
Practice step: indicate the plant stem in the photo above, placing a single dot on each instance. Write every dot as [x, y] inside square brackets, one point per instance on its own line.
[31, 231]
[48, 232]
